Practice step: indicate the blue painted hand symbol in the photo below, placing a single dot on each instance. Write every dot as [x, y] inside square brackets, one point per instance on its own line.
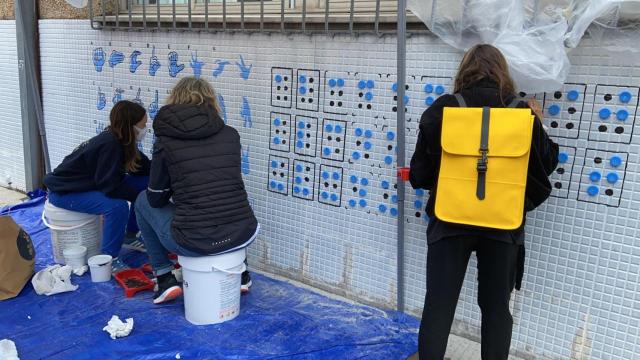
[196, 65]
[117, 95]
[102, 100]
[153, 107]
[154, 63]
[134, 63]
[223, 107]
[244, 70]
[98, 58]
[221, 64]
[137, 99]
[246, 169]
[174, 67]
[116, 58]
[246, 113]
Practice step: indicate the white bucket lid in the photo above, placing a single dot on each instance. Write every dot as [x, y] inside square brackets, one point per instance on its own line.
[74, 251]
[206, 263]
[99, 260]
[54, 213]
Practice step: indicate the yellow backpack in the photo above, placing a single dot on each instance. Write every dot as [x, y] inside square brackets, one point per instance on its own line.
[485, 159]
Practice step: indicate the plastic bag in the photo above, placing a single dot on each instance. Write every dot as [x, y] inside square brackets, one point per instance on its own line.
[534, 35]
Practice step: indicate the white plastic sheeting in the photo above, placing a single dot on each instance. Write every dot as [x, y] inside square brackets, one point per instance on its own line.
[534, 35]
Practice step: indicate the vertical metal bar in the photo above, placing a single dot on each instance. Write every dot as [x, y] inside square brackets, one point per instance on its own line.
[242, 14]
[117, 13]
[282, 15]
[326, 16]
[261, 15]
[377, 23]
[206, 14]
[129, 9]
[158, 13]
[91, 14]
[224, 14]
[104, 14]
[400, 146]
[144, 14]
[351, 16]
[173, 4]
[189, 12]
[304, 15]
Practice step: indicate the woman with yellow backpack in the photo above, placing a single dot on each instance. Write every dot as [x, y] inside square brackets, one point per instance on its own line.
[485, 157]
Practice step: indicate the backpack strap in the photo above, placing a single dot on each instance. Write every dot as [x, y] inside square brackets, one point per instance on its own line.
[484, 150]
[515, 102]
[460, 100]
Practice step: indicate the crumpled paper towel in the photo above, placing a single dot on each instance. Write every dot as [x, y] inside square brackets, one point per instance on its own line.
[53, 280]
[116, 328]
[81, 270]
[8, 350]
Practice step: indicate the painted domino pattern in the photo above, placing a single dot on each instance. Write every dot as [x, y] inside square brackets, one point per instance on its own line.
[333, 139]
[280, 132]
[614, 113]
[563, 110]
[388, 204]
[306, 135]
[357, 192]
[433, 88]
[330, 185]
[602, 178]
[394, 89]
[307, 90]
[303, 180]
[278, 180]
[363, 144]
[336, 99]
[281, 87]
[366, 92]
[561, 177]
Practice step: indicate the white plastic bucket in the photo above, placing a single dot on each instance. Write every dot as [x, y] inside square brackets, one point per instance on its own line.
[75, 256]
[100, 267]
[70, 228]
[212, 287]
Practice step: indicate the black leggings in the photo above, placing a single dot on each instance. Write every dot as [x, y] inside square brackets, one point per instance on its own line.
[447, 261]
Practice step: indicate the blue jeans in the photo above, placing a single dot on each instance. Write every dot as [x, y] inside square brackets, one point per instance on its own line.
[118, 217]
[155, 226]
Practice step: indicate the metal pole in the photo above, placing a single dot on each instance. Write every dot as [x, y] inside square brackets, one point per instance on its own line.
[402, 77]
[33, 131]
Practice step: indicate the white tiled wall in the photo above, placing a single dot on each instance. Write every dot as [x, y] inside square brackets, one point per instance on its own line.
[11, 152]
[583, 255]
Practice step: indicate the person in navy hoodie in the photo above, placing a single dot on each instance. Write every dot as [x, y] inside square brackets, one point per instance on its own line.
[104, 174]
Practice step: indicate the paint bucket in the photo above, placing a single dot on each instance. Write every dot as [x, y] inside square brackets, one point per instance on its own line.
[75, 256]
[212, 287]
[100, 267]
[70, 228]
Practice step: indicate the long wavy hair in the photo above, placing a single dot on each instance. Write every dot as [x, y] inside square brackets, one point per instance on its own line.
[123, 117]
[193, 91]
[484, 62]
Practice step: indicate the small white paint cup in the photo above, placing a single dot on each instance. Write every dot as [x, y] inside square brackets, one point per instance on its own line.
[100, 267]
[75, 256]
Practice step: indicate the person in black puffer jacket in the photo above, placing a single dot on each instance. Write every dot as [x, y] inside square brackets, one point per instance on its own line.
[196, 203]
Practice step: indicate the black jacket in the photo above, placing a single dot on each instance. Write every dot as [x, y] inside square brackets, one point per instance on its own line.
[96, 165]
[197, 163]
[425, 163]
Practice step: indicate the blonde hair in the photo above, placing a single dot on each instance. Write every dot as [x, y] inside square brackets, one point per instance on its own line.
[193, 91]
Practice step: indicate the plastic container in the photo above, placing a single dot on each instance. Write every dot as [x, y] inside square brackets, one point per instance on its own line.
[133, 281]
[211, 287]
[70, 228]
[100, 267]
[75, 256]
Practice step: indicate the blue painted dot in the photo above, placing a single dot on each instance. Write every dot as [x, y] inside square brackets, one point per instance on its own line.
[325, 195]
[622, 114]
[625, 97]
[326, 151]
[302, 79]
[328, 128]
[428, 88]
[612, 178]
[296, 189]
[276, 140]
[303, 90]
[593, 190]
[368, 96]
[358, 132]
[332, 82]
[353, 179]
[388, 159]
[305, 192]
[394, 87]
[362, 192]
[384, 184]
[419, 192]
[417, 204]
[273, 184]
[554, 109]
[341, 82]
[301, 125]
[368, 134]
[394, 199]
[604, 113]
[406, 99]
[595, 176]
[355, 155]
[615, 161]
[367, 145]
[274, 164]
[276, 122]
[429, 100]
[338, 129]
[325, 175]
[362, 84]
[352, 203]
[362, 203]
[334, 197]
[280, 187]
[391, 135]
[563, 157]
[382, 208]
[336, 176]
[278, 78]
[299, 168]
[300, 134]
[573, 95]
[371, 84]
[439, 90]
[364, 181]
[299, 144]
[298, 180]
[394, 212]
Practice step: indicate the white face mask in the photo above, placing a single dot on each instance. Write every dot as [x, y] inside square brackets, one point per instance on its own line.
[140, 133]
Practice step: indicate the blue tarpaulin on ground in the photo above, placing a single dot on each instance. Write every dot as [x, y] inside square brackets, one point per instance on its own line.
[277, 321]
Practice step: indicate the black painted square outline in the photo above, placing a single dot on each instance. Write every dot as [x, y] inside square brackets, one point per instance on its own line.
[295, 148]
[273, 157]
[584, 99]
[313, 181]
[573, 164]
[271, 116]
[324, 96]
[290, 87]
[344, 140]
[322, 166]
[624, 176]
[633, 117]
[317, 104]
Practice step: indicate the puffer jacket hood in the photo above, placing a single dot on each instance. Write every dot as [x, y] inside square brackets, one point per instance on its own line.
[187, 122]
